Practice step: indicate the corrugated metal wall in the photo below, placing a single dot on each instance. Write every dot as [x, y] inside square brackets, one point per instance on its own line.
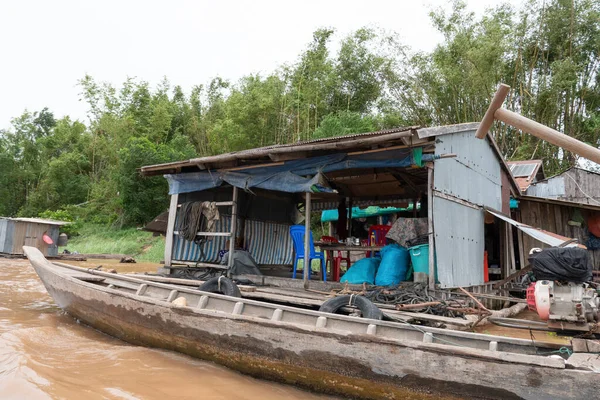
[269, 243]
[473, 176]
[459, 243]
[574, 185]
[16, 234]
[5, 236]
[552, 188]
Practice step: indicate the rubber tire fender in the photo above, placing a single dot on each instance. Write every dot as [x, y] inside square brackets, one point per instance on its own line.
[222, 285]
[366, 307]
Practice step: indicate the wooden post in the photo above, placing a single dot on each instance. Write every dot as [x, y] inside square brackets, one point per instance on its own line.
[521, 249]
[511, 249]
[488, 118]
[430, 227]
[170, 229]
[232, 238]
[306, 269]
[349, 217]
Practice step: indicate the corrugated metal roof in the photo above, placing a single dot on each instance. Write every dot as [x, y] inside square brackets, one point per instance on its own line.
[346, 142]
[38, 221]
[340, 138]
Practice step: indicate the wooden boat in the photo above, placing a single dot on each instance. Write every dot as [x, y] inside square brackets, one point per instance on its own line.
[329, 353]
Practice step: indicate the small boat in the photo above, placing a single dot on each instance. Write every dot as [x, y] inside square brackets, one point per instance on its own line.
[328, 353]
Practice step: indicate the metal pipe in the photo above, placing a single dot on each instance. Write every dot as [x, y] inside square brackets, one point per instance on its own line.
[306, 269]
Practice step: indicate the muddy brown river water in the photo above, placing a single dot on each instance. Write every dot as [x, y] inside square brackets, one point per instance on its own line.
[46, 354]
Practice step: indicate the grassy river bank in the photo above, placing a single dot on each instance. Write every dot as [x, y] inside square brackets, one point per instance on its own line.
[99, 239]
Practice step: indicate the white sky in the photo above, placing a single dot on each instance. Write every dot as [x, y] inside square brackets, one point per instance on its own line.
[47, 46]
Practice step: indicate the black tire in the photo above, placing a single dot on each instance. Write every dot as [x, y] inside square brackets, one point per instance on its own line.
[221, 284]
[366, 307]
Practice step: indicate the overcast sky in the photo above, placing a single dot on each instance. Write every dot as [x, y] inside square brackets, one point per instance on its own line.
[47, 46]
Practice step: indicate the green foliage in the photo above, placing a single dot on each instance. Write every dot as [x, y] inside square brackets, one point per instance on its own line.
[100, 239]
[71, 229]
[144, 198]
[344, 123]
[547, 51]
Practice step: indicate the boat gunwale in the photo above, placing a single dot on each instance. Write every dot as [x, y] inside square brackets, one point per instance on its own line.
[459, 351]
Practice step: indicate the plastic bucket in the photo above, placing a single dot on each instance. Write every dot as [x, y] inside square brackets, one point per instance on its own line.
[419, 256]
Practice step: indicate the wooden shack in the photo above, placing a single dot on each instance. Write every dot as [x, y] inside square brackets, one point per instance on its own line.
[562, 204]
[18, 232]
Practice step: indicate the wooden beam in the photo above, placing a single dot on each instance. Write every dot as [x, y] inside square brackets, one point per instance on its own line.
[509, 278]
[455, 200]
[488, 118]
[226, 234]
[170, 229]
[379, 150]
[548, 134]
[402, 176]
[430, 227]
[288, 156]
[245, 167]
[495, 111]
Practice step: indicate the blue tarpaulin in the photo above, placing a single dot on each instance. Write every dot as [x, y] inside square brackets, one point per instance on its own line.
[296, 176]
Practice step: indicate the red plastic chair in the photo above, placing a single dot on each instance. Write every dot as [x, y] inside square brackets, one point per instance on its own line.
[377, 235]
[336, 262]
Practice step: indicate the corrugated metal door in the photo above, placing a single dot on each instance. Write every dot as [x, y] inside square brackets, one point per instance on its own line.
[459, 243]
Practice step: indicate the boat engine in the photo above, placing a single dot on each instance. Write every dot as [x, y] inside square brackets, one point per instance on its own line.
[572, 306]
[563, 293]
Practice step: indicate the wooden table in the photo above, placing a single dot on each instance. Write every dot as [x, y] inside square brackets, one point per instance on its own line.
[331, 247]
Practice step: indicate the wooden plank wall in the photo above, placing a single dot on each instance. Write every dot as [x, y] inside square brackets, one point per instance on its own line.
[553, 218]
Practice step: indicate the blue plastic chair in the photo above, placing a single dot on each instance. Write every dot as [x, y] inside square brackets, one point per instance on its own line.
[297, 234]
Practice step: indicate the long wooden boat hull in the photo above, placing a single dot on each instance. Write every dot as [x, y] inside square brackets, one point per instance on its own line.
[286, 345]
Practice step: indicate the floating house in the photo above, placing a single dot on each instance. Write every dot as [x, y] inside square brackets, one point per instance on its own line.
[463, 187]
[36, 232]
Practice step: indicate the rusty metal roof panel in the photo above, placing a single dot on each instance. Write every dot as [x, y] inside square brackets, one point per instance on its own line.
[320, 144]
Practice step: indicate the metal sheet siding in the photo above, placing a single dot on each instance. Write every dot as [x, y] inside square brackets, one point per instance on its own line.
[553, 188]
[269, 243]
[473, 175]
[18, 237]
[4, 225]
[53, 231]
[16, 234]
[459, 243]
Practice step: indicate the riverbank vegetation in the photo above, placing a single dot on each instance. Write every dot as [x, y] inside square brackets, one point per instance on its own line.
[102, 239]
[547, 51]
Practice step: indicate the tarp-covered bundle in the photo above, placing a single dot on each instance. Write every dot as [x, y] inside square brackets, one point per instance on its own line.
[571, 264]
[296, 176]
